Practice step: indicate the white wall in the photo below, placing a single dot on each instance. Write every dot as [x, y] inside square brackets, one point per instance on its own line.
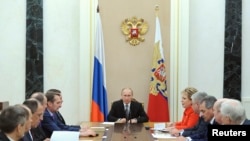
[67, 47]
[12, 50]
[206, 45]
[68, 51]
[61, 53]
[245, 54]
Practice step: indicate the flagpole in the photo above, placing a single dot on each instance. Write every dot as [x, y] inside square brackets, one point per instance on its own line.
[97, 9]
[157, 10]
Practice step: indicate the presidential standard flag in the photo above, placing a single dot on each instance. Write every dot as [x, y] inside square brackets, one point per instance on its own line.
[99, 106]
[158, 110]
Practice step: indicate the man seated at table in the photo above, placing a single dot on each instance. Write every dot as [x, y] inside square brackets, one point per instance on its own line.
[51, 123]
[233, 113]
[127, 110]
[14, 122]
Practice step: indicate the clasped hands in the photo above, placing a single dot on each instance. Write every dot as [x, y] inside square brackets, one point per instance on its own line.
[123, 120]
[172, 130]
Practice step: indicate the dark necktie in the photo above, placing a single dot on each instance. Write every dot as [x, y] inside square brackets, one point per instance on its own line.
[60, 117]
[127, 111]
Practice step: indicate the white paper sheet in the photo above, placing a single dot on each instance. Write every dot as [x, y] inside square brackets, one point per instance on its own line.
[108, 123]
[159, 126]
[65, 136]
[98, 128]
[161, 135]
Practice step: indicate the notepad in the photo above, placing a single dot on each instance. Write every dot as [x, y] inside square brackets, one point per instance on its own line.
[159, 126]
[65, 136]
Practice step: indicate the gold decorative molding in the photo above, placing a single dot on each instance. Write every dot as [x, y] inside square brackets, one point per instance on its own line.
[133, 29]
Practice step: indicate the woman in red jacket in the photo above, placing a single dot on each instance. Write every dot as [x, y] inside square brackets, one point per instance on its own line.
[189, 118]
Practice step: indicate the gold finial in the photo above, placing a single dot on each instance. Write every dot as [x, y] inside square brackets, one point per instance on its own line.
[156, 9]
[97, 9]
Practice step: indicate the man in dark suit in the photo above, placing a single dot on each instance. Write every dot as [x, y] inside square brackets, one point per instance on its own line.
[37, 115]
[57, 113]
[38, 133]
[51, 123]
[14, 121]
[127, 110]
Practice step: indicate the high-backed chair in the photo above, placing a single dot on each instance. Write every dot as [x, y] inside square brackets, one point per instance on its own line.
[133, 99]
[3, 105]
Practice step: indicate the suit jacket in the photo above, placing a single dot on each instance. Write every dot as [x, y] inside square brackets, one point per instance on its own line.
[3, 137]
[136, 111]
[60, 117]
[246, 122]
[198, 128]
[51, 123]
[26, 137]
[38, 133]
[202, 136]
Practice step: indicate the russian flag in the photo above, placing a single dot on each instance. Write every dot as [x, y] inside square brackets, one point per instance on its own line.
[99, 105]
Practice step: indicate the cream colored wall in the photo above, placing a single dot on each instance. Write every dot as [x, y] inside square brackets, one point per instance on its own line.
[76, 48]
[127, 65]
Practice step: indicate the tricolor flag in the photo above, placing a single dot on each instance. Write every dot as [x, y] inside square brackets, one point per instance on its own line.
[99, 107]
[158, 110]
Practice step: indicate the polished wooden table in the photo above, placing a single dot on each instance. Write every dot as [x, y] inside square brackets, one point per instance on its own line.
[108, 131]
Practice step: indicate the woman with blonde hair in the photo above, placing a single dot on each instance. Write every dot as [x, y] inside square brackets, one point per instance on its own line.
[189, 118]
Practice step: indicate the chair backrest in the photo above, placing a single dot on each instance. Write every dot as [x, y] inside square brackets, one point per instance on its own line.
[3, 105]
[133, 99]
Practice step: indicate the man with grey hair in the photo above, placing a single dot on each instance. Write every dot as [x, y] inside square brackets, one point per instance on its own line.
[201, 124]
[233, 113]
[38, 133]
[216, 109]
[37, 115]
[40, 96]
[14, 121]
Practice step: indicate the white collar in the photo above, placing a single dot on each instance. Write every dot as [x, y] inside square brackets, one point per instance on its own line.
[212, 121]
[9, 138]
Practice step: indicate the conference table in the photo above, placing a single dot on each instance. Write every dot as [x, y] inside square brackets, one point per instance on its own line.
[109, 131]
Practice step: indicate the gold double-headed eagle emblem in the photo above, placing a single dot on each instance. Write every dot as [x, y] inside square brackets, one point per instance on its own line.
[133, 29]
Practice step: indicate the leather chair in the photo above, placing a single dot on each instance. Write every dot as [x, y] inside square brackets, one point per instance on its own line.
[3, 105]
[133, 99]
